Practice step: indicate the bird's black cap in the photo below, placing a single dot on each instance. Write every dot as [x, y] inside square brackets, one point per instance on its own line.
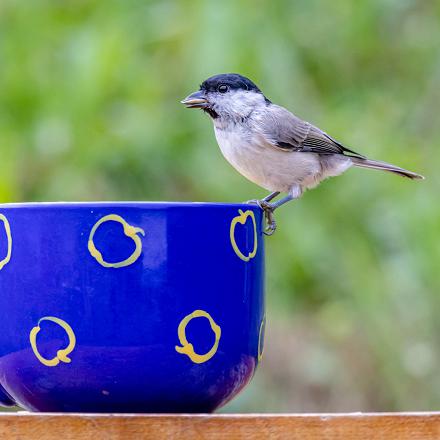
[233, 80]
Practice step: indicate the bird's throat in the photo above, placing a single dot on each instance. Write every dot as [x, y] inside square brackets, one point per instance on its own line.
[211, 112]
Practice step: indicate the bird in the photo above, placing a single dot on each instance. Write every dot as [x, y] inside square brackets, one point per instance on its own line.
[271, 146]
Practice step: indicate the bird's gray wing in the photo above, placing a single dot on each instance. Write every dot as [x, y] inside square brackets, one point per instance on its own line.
[287, 132]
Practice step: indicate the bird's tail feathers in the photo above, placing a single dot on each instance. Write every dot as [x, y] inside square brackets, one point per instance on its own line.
[377, 165]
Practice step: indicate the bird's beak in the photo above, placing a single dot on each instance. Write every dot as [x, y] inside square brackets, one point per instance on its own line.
[195, 100]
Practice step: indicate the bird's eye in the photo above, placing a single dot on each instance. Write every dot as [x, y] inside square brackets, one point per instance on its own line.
[223, 88]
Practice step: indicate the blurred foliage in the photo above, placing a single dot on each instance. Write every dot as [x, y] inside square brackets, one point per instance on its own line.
[89, 94]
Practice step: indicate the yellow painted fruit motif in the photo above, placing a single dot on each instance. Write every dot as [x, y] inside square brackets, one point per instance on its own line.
[241, 219]
[7, 227]
[187, 348]
[129, 231]
[61, 354]
[261, 338]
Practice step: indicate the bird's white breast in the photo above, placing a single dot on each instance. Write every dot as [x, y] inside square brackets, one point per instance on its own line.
[273, 169]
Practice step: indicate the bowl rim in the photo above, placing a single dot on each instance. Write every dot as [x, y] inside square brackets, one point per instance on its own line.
[129, 204]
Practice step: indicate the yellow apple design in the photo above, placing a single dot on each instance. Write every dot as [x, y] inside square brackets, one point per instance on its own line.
[260, 338]
[9, 238]
[241, 219]
[61, 354]
[129, 231]
[187, 348]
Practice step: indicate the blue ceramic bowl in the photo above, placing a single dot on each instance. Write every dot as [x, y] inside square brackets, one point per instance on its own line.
[129, 307]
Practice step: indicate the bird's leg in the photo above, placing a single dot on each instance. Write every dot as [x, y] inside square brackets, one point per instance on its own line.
[269, 208]
[268, 198]
[281, 202]
[271, 196]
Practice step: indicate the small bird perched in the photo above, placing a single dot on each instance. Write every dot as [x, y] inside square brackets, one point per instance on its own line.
[270, 145]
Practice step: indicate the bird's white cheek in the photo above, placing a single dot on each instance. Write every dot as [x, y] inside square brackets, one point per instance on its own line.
[237, 104]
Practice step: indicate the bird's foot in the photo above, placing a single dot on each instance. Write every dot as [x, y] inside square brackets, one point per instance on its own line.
[267, 208]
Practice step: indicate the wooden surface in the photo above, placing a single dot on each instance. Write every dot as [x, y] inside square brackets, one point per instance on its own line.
[398, 426]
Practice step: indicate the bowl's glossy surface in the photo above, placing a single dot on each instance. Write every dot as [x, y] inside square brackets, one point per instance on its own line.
[133, 307]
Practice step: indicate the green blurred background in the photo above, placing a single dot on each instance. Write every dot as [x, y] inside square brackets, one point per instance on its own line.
[89, 110]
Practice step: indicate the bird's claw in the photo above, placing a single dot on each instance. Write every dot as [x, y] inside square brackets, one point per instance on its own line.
[268, 209]
[271, 224]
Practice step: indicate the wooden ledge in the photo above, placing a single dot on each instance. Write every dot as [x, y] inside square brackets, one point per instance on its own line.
[356, 426]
